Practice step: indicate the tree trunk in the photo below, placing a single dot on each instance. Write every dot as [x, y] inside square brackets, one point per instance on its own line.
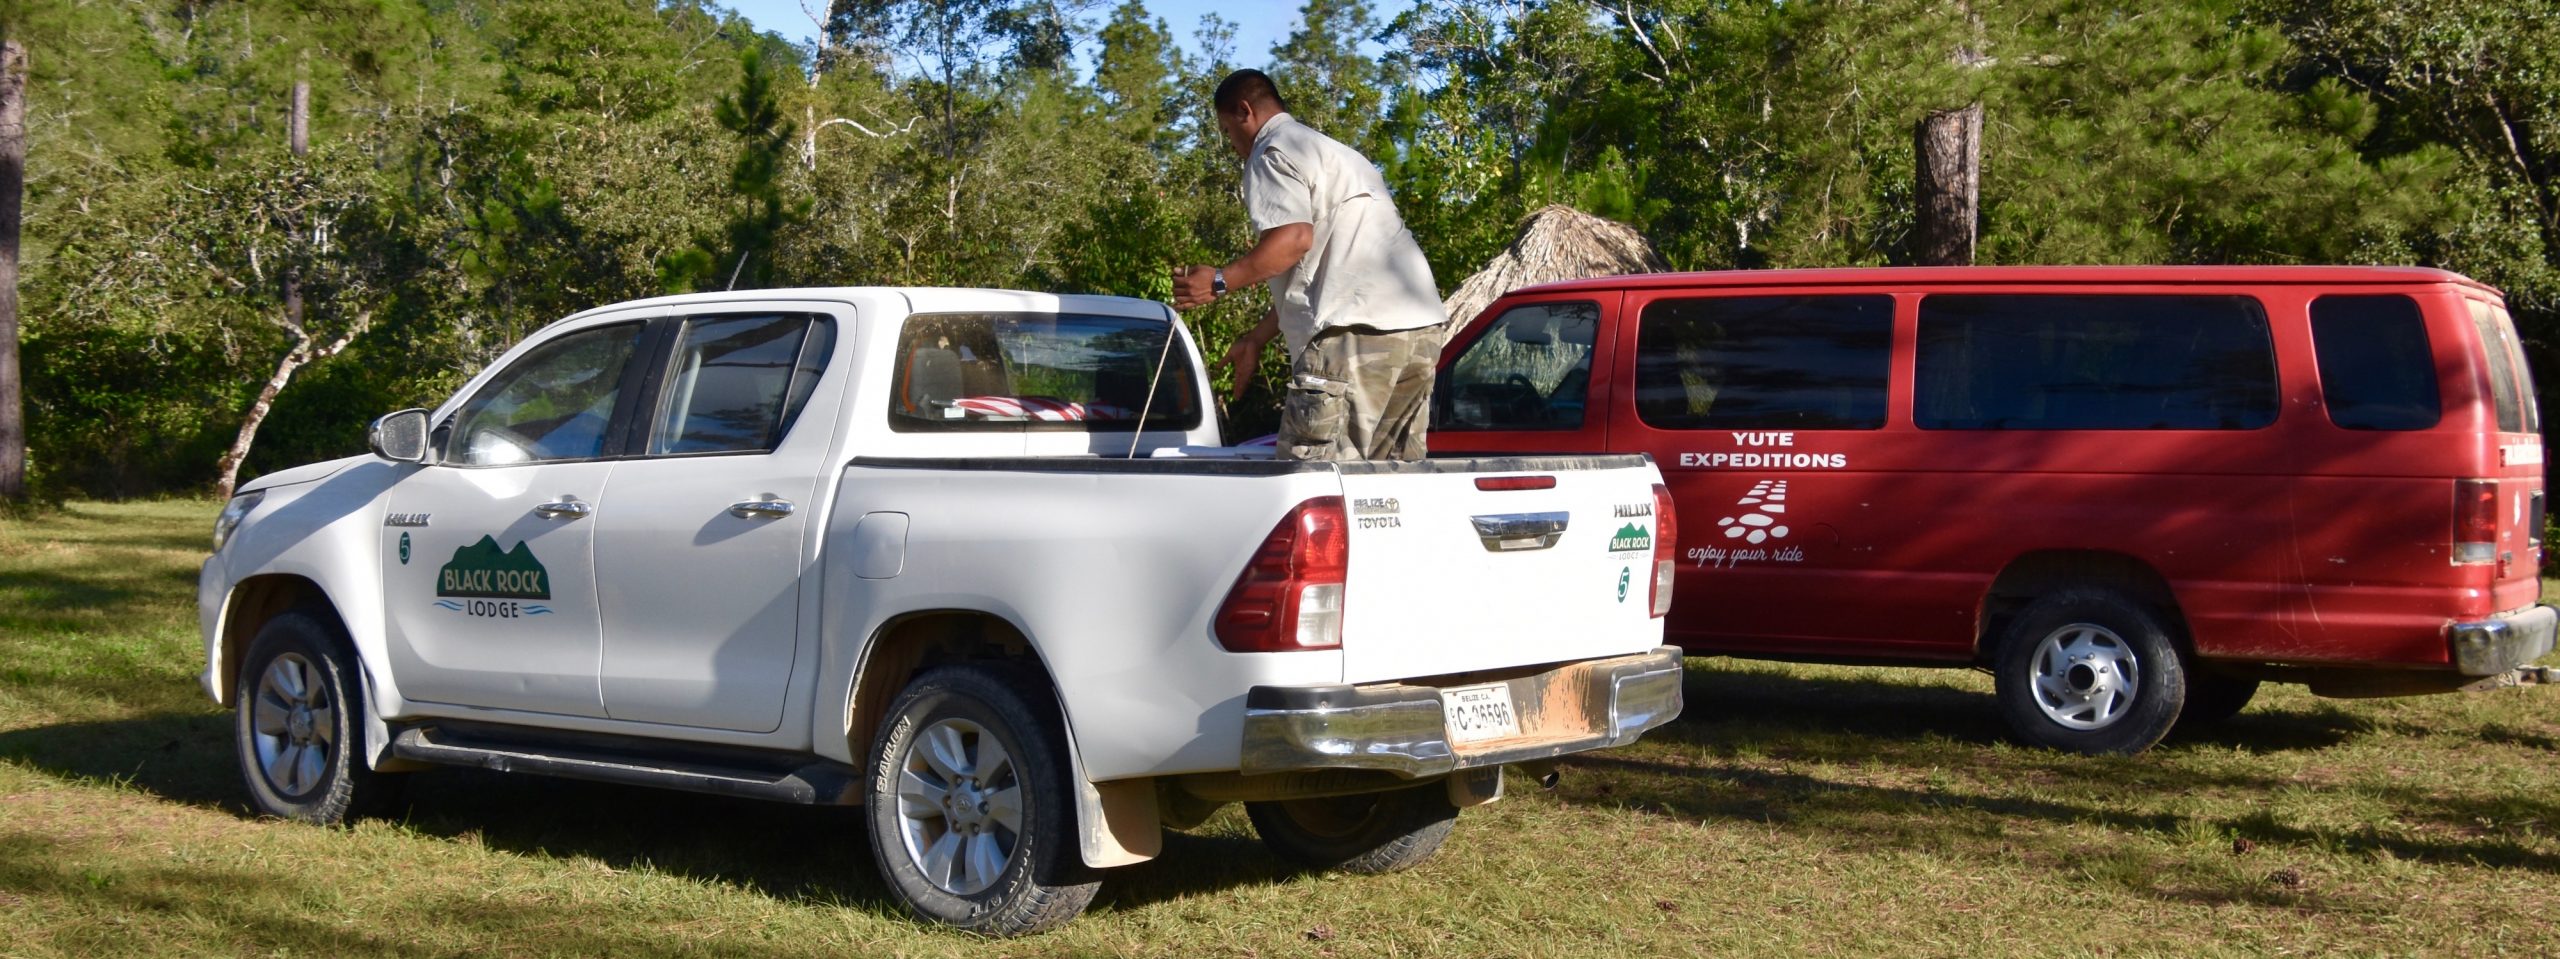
[298, 139]
[1949, 149]
[13, 182]
[239, 451]
[11, 208]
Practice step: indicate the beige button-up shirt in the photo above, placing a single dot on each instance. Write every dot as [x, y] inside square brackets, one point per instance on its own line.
[1364, 268]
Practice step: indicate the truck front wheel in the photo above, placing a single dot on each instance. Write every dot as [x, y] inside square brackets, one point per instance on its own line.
[971, 819]
[298, 724]
[1368, 833]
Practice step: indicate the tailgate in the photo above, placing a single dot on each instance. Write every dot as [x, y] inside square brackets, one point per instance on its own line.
[1447, 577]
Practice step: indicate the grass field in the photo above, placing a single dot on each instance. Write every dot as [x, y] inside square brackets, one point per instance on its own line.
[1792, 811]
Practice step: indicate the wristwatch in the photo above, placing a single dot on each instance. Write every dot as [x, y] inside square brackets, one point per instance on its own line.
[1218, 282]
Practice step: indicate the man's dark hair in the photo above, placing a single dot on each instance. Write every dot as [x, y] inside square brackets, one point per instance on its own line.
[1244, 85]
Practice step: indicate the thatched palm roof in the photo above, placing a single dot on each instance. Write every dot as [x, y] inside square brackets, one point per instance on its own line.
[1556, 243]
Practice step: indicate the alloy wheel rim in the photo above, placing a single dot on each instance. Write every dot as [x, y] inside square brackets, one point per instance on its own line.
[959, 806]
[294, 726]
[2084, 676]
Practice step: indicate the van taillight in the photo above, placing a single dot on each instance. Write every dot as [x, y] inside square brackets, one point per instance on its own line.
[2475, 521]
[1666, 548]
[1289, 597]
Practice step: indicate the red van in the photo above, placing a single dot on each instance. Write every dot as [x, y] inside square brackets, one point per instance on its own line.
[2133, 493]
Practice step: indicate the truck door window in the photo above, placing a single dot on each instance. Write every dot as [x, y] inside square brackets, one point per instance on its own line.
[1764, 362]
[2376, 372]
[1530, 370]
[2093, 362]
[735, 383]
[554, 403]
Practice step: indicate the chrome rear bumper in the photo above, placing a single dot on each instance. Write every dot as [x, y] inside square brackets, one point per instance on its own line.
[2500, 643]
[1400, 728]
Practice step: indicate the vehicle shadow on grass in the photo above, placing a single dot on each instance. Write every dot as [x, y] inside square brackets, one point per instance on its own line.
[272, 909]
[1916, 765]
[1849, 718]
[814, 855]
[181, 757]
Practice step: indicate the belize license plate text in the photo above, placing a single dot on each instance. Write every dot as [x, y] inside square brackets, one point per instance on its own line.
[1479, 712]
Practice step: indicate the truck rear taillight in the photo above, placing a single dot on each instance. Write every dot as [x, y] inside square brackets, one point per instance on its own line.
[2475, 522]
[1666, 548]
[1289, 596]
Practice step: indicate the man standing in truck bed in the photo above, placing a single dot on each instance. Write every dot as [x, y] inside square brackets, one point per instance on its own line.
[1351, 293]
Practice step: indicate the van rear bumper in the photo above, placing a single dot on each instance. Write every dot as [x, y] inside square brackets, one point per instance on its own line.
[1402, 728]
[2503, 642]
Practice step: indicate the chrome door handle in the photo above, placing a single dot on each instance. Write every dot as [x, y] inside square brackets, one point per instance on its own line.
[761, 508]
[564, 509]
[1504, 532]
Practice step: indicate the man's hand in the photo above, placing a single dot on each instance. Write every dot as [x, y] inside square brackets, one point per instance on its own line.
[1245, 358]
[1193, 286]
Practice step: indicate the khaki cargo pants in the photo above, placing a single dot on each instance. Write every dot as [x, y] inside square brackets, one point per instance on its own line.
[1356, 393]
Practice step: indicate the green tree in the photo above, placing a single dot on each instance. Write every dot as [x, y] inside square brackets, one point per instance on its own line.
[745, 253]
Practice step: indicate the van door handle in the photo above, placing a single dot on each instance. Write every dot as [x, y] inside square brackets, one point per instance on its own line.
[1505, 532]
[564, 509]
[773, 508]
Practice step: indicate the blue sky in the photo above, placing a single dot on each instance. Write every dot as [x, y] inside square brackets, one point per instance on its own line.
[1259, 25]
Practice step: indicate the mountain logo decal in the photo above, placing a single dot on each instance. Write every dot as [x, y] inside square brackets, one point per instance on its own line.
[1631, 537]
[483, 570]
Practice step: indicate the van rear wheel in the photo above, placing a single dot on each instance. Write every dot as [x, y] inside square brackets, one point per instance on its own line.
[2089, 671]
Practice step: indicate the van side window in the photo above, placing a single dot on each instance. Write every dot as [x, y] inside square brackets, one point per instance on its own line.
[1530, 370]
[1764, 362]
[2376, 372]
[2510, 383]
[2093, 362]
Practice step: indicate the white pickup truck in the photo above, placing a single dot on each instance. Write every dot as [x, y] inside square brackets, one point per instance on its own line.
[973, 560]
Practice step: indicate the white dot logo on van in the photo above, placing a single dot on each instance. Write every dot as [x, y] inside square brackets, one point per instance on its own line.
[1767, 501]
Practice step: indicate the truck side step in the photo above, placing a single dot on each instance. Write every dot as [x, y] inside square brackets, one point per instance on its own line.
[750, 774]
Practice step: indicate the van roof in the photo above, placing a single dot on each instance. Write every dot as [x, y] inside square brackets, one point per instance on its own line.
[2028, 275]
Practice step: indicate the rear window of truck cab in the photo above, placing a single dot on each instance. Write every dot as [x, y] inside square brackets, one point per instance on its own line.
[1009, 372]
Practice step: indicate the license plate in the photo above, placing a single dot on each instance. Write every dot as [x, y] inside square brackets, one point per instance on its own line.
[1479, 712]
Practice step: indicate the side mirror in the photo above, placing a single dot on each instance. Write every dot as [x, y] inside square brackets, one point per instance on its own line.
[400, 437]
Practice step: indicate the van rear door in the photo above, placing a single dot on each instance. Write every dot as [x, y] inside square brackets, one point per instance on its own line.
[2519, 500]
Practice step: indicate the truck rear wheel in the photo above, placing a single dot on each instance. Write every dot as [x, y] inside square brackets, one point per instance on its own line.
[971, 819]
[2089, 671]
[298, 723]
[1366, 833]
